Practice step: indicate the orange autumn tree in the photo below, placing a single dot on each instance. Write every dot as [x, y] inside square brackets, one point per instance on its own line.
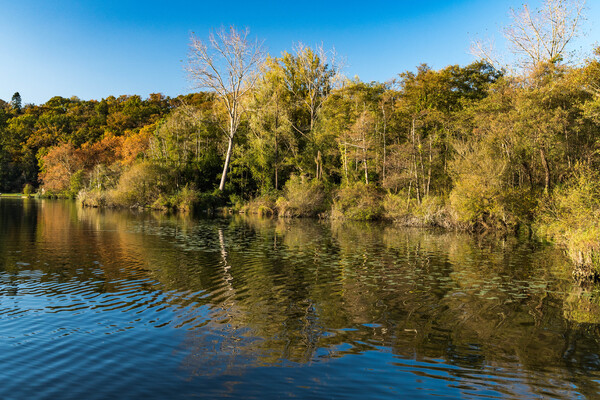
[105, 152]
[135, 144]
[59, 165]
[66, 167]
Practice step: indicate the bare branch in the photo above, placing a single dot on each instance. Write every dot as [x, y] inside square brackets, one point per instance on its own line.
[545, 34]
[540, 35]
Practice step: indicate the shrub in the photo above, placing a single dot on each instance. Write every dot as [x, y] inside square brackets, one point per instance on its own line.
[92, 198]
[28, 189]
[163, 203]
[209, 201]
[186, 199]
[237, 202]
[570, 217]
[302, 198]
[480, 198]
[140, 186]
[432, 211]
[76, 183]
[263, 205]
[358, 202]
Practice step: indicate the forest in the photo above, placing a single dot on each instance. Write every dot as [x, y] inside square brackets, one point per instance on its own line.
[483, 147]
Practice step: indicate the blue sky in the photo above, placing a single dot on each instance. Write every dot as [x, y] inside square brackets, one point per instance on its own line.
[93, 49]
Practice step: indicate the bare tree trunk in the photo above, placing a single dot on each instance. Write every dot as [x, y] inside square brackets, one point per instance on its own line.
[277, 148]
[366, 167]
[417, 184]
[226, 165]
[346, 161]
[568, 149]
[384, 148]
[422, 167]
[546, 170]
[364, 149]
[429, 169]
[319, 163]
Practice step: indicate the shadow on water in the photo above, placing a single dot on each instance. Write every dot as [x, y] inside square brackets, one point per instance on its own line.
[259, 307]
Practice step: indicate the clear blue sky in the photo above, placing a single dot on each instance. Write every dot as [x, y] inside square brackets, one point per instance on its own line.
[95, 48]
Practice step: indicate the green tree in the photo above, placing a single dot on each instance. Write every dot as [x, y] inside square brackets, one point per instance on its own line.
[271, 144]
[349, 130]
[15, 102]
[309, 77]
[186, 143]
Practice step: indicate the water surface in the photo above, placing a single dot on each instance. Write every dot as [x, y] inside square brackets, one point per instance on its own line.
[103, 303]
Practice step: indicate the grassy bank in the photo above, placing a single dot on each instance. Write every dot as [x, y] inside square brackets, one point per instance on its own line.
[16, 195]
[11, 195]
[567, 215]
[302, 197]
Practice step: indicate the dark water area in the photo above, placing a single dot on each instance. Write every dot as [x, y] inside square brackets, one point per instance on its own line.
[98, 304]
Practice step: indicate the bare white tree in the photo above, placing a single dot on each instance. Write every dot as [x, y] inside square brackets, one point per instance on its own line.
[540, 35]
[487, 51]
[544, 34]
[228, 64]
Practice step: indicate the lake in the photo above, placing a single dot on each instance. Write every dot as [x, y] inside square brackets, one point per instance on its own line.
[98, 304]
